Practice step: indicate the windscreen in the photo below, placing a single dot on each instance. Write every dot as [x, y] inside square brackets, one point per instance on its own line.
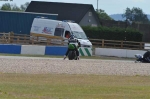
[75, 27]
[77, 31]
[79, 35]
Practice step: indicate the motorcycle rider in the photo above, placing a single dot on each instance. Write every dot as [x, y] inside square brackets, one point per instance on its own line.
[146, 56]
[72, 46]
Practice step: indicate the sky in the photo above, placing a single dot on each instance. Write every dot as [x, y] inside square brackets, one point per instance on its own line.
[109, 6]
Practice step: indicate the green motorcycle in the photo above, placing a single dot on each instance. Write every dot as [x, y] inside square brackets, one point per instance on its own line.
[73, 47]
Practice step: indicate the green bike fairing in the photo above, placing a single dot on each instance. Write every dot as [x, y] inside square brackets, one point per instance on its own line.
[71, 46]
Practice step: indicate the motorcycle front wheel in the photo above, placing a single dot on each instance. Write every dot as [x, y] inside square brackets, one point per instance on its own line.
[71, 55]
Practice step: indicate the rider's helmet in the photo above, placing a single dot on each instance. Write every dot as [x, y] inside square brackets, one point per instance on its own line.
[72, 39]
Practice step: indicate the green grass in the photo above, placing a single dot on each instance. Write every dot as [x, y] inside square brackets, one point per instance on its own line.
[82, 57]
[63, 86]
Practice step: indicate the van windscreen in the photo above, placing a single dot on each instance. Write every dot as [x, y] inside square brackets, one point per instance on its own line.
[79, 35]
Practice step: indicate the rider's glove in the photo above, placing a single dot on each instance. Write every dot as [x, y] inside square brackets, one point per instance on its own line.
[65, 57]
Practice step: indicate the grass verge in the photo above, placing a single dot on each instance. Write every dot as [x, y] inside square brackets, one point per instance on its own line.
[82, 57]
[55, 86]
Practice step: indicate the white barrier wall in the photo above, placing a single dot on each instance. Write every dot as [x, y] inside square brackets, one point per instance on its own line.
[117, 52]
[33, 50]
[147, 46]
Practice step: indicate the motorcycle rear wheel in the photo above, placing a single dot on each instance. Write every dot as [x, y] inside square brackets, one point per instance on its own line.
[71, 55]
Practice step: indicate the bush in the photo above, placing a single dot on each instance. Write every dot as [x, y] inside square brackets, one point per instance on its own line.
[113, 33]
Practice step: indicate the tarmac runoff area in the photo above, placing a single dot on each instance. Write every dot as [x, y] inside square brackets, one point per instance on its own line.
[40, 65]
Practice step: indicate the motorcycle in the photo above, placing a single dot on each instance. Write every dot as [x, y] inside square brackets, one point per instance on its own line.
[73, 47]
[72, 55]
[140, 59]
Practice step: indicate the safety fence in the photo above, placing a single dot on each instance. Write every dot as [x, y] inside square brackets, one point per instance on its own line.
[11, 38]
[101, 43]
[39, 39]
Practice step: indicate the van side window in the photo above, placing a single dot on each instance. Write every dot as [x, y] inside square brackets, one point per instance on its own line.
[59, 31]
[67, 34]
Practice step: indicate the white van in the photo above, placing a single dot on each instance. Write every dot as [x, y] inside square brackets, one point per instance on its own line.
[59, 28]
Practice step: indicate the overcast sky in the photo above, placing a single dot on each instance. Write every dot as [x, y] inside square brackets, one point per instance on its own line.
[110, 6]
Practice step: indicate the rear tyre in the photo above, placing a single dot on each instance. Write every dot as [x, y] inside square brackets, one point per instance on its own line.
[71, 55]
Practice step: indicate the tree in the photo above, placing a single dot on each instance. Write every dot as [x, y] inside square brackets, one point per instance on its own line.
[103, 15]
[24, 6]
[15, 8]
[136, 15]
[6, 6]
[10, 7]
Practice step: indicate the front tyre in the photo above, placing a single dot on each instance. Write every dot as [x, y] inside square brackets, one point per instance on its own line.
[71, 55]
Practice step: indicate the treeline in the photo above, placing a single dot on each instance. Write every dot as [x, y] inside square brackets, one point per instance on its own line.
[135, 14]
[14, 7]
[113, 33]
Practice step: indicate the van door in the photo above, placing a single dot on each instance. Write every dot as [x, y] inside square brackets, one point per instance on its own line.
[66, 36]
[67, 29]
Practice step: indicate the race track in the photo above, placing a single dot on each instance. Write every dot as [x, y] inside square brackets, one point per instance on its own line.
[39, 65]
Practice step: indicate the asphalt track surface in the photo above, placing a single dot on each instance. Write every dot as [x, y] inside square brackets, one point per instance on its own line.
[44, 65]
